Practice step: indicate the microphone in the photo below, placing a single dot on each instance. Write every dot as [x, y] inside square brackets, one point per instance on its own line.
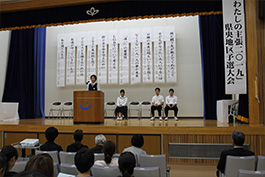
[87, 82]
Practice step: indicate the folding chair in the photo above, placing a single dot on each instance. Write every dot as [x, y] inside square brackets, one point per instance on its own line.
[56, 107]
[134, 106]
[67, 107]
[145, 106]
[110, 106]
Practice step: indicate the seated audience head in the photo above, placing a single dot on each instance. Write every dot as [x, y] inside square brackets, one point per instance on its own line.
[122, 92]
[11, 156]
[100, 139]
[3, 164]
[78, 135]
[157, 90]
[127, 163]
[93, 78]
[51, 134]
[238, 138]
[108, 150]
[137, 140]
[171, 91]
[30, 173]
[42, 163]
[84, 160]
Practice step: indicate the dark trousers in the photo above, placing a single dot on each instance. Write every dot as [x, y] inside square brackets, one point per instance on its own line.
[158, 108]
[122, 109]
[175, 108]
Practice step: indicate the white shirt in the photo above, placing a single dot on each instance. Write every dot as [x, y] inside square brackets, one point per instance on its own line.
[113, 163]
[90, 83]
[122, 101]
[158, 99]
[171, 99]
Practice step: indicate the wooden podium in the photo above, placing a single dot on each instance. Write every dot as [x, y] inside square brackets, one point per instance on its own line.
[88, 107]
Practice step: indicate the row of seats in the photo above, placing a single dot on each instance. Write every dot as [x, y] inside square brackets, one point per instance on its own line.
[151, 165]
[244, 166]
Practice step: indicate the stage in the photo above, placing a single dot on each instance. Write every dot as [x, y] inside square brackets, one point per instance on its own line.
[157, 134]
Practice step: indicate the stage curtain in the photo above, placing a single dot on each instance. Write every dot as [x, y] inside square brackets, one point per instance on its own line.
[25, 72]
[243, 115]
[212, 56]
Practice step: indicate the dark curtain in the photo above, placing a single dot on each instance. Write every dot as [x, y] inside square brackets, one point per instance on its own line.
[25, 72]
[243, 108]
[212, 54]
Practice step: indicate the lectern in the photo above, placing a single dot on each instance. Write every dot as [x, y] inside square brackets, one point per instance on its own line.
[88, 107]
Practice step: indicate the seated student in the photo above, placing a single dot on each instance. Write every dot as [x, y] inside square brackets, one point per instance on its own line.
[84, 160]
[42, 163]
[78, 137]
[51, 134]
[127, 164]
[137, 142]
[30, 173]
[100, 141]
[238, 139]
[11, 155]
[171, 104]
[109, 151]
[157, 103]
[93, 85]
[3, 164]
[121, 106]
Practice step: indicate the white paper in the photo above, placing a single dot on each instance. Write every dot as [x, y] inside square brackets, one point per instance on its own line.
[135, 38]
[102, 57]
[113, 57]
[61, 44]
[147, 55]
[70, 65]
[80, 61]
[91, 54]
[124, 56]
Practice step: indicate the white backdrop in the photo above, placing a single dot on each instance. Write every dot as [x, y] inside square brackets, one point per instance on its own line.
[189, 78]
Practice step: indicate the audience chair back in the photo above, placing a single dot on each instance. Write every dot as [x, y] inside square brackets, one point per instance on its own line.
[134, 106]
[116, 155]
[67, 157]
[68, 169]
[65, 175]
[56, 169]
[234, 163]
[99, 171]
[146, 172]
[261, 163]
[19, 166]
[155, 161]
[99, 156]
[53, 154]
[249, 173]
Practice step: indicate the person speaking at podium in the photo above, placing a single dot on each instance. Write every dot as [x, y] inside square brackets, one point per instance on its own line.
[92, 85]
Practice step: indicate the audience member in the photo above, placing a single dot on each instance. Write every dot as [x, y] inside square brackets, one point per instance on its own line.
[77, 145]
[127, 164]
[41, 162]
[100, 141]
[137, 142]
[51, 134]
[238, 139]
[30, 173]
[108, 150]
[11, 155]
[84, 160]
[3, 164]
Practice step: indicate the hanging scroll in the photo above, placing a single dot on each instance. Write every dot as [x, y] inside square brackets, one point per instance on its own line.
[70, 65]
[113, 57]
[80, 60]
[147, 55]
[159, 55]
[135, 55]
[91, 54]
[61, 44]
[124, 56]
[102, 57]
[171, 68]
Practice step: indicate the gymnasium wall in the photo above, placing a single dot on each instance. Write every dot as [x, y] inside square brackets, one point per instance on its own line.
[189, 77]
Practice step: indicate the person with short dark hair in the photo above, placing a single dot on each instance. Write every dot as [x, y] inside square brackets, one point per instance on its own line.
[77, 145]
[11, 155]
[109, 149]
[41, 162]
[30, 173]
[99, 141]
[238, 139]
[127, 163]
[3, 164]
[84, 160]
[157, 104]
[171, 104]
[51, 134]
[137, 142]
[121, 109]
[92, 85]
